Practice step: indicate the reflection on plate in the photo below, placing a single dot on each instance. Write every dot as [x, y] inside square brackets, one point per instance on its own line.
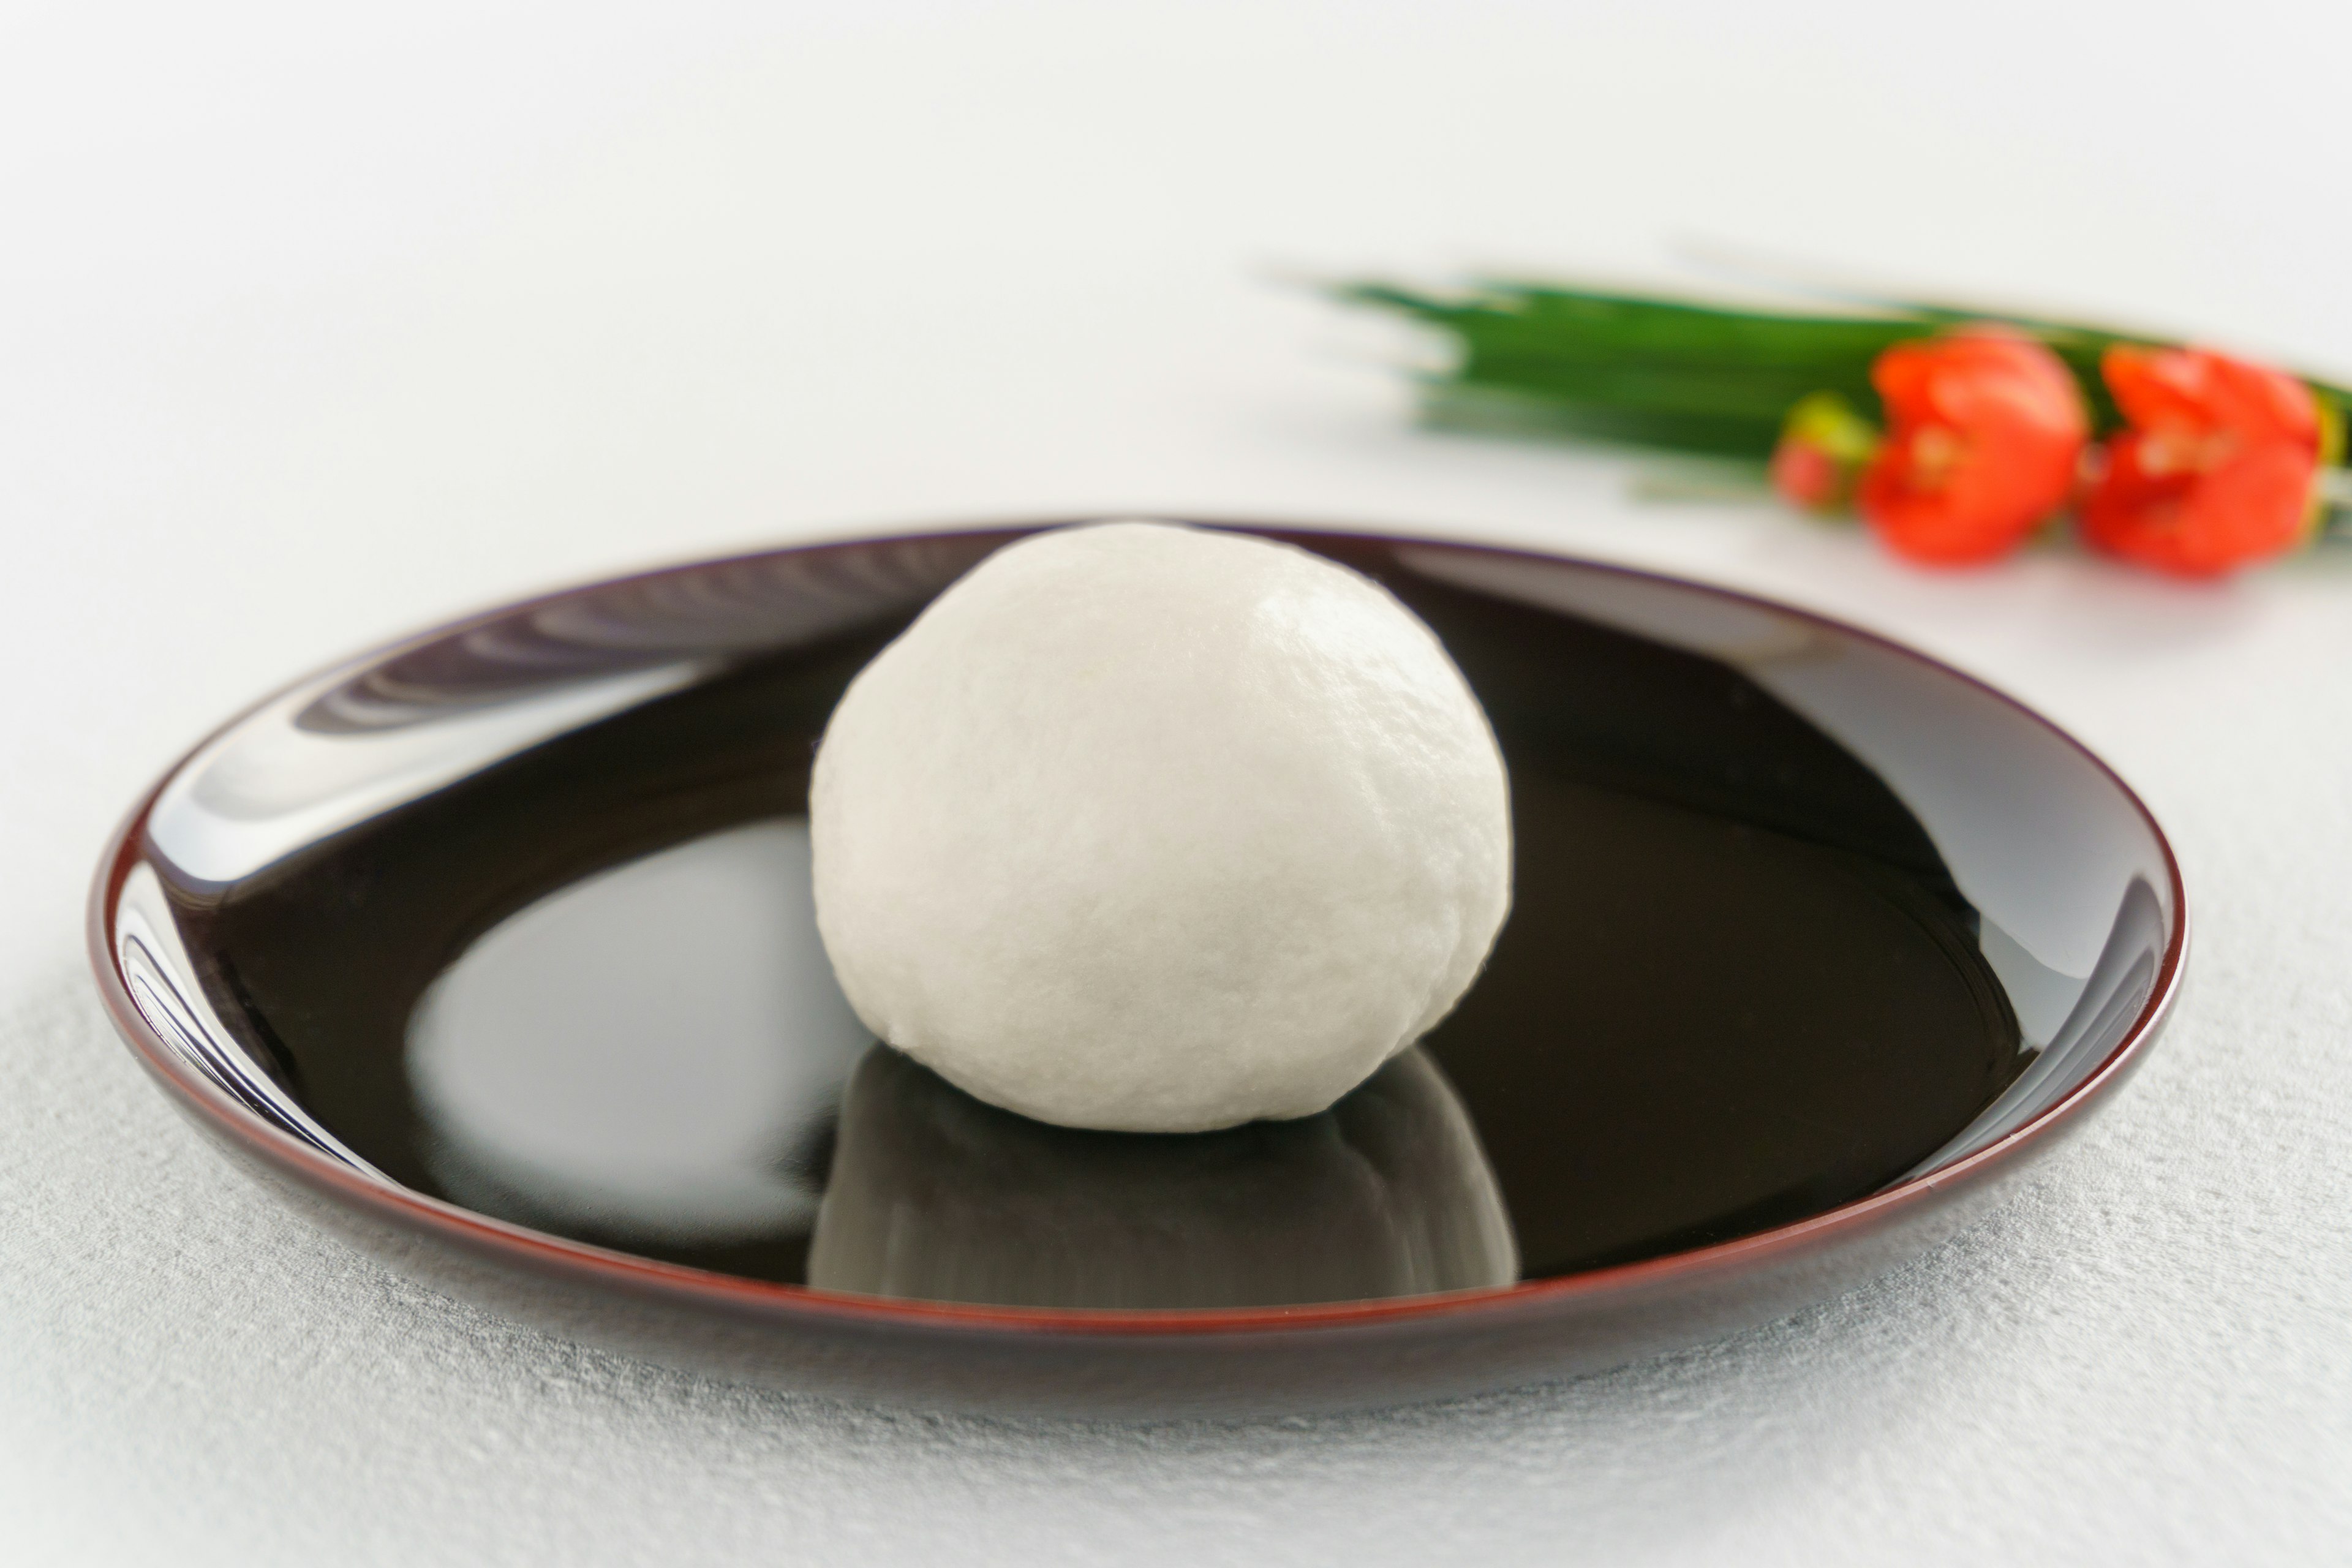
[650, 1053]
[935, 1195]
[494, 949]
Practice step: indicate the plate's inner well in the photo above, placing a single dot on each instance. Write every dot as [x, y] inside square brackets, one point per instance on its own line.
[1751, 972]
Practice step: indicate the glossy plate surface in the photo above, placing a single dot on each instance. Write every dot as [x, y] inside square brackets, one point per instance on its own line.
[494, 949]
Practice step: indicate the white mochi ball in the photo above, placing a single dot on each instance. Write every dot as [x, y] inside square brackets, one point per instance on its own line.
[1158, 829]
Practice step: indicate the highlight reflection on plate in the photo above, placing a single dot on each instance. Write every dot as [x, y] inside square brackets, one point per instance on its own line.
[649, 1052]
[494, 949]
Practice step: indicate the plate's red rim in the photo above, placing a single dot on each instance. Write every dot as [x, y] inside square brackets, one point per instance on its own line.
[629, 1272]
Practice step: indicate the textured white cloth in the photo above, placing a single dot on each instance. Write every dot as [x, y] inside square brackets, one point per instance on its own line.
[316, 326]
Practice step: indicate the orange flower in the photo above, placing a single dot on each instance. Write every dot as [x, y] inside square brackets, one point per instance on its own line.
[1986, 427]
[2217, 468]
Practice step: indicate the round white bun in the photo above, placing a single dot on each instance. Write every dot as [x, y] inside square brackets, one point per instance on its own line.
[1158, 829]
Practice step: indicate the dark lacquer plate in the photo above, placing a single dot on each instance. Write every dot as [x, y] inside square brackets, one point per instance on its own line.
[493, 949]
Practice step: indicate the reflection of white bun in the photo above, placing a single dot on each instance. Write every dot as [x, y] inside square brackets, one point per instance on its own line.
[1158, 829]
[936, 1197]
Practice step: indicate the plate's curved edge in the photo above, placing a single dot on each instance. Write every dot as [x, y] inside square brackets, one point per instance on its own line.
[412, 1210]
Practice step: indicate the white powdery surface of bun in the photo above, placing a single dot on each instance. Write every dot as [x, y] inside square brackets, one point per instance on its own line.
[1156, 828]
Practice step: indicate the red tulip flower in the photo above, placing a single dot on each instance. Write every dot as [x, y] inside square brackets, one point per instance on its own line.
[1986, 427]
[2217, 468]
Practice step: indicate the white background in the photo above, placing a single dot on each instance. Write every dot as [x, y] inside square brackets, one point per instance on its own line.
[320, 322]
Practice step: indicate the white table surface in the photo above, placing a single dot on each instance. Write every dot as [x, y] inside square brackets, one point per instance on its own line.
[318, 324]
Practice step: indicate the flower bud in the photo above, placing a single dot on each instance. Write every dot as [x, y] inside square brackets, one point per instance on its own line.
[1824, 446]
